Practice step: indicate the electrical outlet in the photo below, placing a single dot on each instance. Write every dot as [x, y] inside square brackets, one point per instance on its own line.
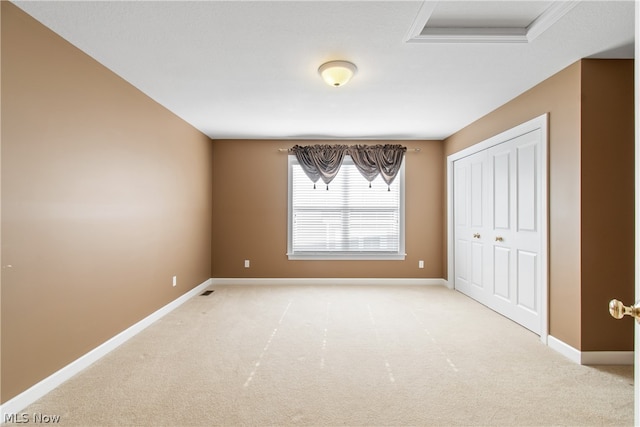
[247, 263]
[421, 264]
[175, 280]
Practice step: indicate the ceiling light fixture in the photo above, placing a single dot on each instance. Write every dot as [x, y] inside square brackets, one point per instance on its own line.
[337, 73]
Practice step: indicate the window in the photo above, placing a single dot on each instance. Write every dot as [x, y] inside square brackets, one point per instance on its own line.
[350, 220]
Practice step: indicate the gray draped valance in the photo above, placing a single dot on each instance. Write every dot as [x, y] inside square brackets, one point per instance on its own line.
[324, 161]
[320, 161]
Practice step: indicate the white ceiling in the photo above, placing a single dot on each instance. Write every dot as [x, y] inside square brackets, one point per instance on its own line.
[248, 69]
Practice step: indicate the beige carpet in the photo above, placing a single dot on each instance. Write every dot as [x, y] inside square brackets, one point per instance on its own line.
[355, 355]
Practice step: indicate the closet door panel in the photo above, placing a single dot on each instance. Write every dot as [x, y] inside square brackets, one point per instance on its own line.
[462, 262]
[460, 194]
[477, 255]
[477, 193]
[526, 182]
[502, 272]
[527, 280]
[463, 258]
[501, 180]
[470, 183]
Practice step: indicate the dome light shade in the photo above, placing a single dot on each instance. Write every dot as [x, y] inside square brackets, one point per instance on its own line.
[337, 73]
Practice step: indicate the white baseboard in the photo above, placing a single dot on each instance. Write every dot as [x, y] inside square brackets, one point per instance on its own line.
[38, 390]
[590, 357]
[328, 281]
[564, 349]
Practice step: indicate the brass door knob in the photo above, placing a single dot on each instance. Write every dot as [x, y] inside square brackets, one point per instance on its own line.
[499, 239]
[619, 310]
[476, 235]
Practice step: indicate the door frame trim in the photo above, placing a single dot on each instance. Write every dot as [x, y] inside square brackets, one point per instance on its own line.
[636, 329]
[541, 122]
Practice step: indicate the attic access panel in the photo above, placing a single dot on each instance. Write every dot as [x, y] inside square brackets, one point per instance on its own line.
[485, 21]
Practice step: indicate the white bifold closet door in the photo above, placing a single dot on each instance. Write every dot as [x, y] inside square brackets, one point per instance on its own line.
[497, 228]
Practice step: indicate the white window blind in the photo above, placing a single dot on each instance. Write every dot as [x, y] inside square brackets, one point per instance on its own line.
[347, 221]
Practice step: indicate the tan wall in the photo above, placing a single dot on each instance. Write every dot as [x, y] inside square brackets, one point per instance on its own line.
[607, 238]
[105, 196]
[250, 215]
[572, 300]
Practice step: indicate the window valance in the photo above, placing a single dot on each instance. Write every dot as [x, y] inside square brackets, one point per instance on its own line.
[324, 161]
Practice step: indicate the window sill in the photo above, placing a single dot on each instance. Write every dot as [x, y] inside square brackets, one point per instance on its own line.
[346, 257]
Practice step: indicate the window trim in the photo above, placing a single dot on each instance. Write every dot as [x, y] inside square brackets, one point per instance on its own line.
[345, 256]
